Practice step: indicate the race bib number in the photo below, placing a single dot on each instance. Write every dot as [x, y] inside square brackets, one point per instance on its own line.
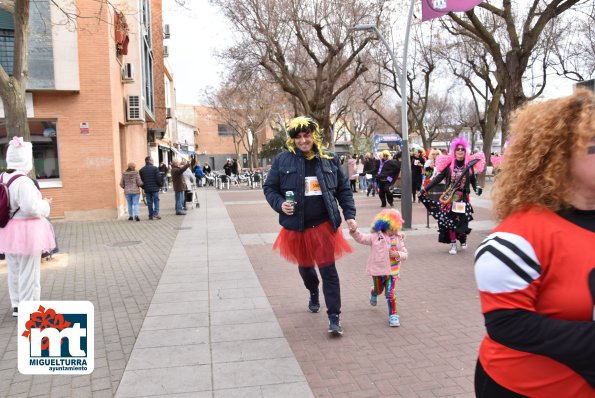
[458, 207]
[312, 186]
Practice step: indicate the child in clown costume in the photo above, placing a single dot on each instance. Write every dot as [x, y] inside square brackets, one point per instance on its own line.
[387, 251]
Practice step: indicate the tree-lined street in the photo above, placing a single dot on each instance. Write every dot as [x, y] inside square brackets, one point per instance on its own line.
[239, 311]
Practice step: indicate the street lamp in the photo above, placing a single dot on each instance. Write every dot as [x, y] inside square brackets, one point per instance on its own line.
[406, 196]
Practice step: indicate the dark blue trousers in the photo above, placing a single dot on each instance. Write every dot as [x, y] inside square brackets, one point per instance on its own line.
[331, 287]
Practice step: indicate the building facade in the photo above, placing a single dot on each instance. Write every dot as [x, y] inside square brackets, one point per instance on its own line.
[217, 141]
[96, 100]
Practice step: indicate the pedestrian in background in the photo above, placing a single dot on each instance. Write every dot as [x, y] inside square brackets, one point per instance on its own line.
[177, 177]
[310, 235]
[235, 168]
[430, 169]
[28, 233]
[387, 251]
[388, 172]
[536, 270]
[352, 171]
[152, 182]
[371, 166]
[361, 176]
[163, 169]
[131, 182]
[227, 168]
[417, 167]
[199, 174]
[189, 182]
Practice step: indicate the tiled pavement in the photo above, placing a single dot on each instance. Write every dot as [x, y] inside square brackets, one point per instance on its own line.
[183, 308]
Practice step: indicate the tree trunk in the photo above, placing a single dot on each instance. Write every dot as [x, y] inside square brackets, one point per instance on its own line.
[15, 110]
[490, 126]
[12, 88]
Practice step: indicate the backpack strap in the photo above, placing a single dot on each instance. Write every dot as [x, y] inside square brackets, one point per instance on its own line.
[14, 177]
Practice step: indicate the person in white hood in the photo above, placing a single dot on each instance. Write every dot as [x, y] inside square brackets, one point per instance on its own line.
[28, 232]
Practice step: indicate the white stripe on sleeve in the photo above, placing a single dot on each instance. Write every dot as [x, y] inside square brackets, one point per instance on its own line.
[505, 262]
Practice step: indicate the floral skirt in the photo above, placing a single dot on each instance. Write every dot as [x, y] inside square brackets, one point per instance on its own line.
[27, 236]
[319, 245]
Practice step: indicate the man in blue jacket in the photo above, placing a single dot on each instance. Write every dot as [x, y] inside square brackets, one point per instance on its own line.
[152, 182]
[310, 235]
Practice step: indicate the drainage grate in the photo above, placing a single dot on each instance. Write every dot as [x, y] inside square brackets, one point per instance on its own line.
[125, 243]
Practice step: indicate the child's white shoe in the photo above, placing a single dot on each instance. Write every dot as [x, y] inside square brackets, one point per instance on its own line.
[453, 248]
[393, 320]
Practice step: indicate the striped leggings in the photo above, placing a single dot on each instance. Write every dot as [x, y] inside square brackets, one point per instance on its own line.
[386, 283]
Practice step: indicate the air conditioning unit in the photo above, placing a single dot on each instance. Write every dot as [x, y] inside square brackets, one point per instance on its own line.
[165, 52]
[166, 31]
[134, 109]
[127, 72]
[168, 113]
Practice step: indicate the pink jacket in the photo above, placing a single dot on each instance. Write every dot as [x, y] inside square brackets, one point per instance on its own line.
[379, 261]
[351, 164]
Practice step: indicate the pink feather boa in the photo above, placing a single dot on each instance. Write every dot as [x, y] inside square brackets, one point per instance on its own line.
[443, 161]
[496, 160]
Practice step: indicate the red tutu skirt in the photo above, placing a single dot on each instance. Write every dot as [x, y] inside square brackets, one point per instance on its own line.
[319, 245]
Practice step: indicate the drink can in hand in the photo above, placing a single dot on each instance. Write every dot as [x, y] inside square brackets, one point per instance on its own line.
[290, 198]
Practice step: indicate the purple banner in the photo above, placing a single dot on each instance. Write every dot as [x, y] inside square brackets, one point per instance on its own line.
[436, 8]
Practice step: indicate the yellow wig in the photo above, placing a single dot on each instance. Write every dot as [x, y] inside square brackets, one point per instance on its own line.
[308, 125]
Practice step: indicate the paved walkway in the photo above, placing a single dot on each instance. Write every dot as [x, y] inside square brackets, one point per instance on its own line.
[200, 306]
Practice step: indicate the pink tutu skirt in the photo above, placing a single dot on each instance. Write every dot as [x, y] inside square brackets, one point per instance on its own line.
[27, 236]
[315, 246]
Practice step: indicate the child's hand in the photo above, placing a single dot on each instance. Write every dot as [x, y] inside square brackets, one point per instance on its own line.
[352, 226]
[393, 253]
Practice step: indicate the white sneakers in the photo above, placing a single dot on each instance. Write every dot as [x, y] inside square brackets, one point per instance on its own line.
[453, 248]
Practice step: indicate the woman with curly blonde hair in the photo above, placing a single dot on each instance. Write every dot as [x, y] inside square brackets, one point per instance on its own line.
[536, 270]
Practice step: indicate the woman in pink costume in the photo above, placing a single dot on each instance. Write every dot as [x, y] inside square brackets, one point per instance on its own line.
[454, 213]
[28, 232]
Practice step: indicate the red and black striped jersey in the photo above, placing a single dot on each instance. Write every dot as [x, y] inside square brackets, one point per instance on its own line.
[536, 277]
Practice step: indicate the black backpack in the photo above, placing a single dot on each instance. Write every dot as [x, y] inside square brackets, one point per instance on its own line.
[5, 215]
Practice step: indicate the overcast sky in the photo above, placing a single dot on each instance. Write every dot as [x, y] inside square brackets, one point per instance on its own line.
[197, 32]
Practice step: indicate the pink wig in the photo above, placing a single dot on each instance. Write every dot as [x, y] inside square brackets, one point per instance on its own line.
[459, 141]
[444, 161]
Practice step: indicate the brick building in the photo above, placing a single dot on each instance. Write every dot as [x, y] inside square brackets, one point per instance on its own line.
[96, 100]
[216, 142]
